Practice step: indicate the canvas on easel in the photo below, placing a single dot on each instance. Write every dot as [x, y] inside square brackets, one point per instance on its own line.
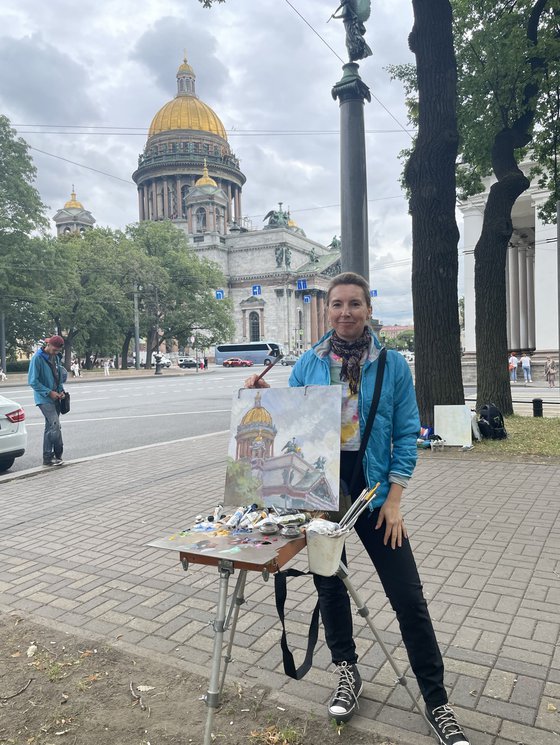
[284, 448]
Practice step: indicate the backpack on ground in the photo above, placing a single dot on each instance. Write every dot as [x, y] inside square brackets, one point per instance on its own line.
[491, 423]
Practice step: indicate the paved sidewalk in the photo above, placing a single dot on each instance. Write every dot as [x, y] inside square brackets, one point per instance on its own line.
[486, 535]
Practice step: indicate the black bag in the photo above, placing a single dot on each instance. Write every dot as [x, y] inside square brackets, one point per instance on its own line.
[491, 423]
[65, 403]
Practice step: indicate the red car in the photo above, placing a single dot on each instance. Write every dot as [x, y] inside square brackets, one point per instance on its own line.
[237, 362]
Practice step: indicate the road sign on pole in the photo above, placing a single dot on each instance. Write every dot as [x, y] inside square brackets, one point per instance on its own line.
[373, 293]
[219, 294]
[257, 290]
[302, 284]
[307, 298]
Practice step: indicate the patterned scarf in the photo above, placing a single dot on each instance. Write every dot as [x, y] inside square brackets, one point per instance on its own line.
[351, 353]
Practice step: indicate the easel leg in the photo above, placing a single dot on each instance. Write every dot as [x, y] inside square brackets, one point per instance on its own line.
[236, 602]
[213, 695]
[363, 610]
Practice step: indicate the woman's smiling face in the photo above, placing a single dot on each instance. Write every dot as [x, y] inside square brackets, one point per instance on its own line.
[349, 311]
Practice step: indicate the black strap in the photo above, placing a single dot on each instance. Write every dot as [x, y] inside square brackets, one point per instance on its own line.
[280, 591]
[371, 416]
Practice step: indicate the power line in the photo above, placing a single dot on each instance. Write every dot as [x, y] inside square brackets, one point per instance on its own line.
[81, 165]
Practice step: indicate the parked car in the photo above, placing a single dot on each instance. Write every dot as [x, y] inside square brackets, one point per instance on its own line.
[288, 359]
[13, 434]
[185, 362]
[237, 362]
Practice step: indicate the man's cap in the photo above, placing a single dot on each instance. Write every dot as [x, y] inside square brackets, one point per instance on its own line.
[56, 341]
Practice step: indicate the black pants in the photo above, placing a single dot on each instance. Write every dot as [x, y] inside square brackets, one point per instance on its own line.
[397, 571]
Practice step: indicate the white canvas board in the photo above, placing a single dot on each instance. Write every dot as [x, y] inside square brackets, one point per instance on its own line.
[453, 424]
[284, 448]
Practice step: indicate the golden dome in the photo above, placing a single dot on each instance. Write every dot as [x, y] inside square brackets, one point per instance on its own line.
[205, 179]
[185, 68]
[258, 414]
[187, 112]
[73, 202]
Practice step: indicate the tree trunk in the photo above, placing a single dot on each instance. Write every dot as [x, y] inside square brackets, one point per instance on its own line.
[125, 350]
[490, 277]
[430, 176]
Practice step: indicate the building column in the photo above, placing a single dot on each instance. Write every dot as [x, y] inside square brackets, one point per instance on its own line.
[179, 199]
[228, 192]
[531, 297]
[140, 204]
[314, 329]
[159, 198]
[237, 206]
[473, 215]
[522, 299]
[146, 202]
[513, 281]
[165, 198]
[154, 200]
[321, 314]
[261, 323]
[244, 323]
[546, 279]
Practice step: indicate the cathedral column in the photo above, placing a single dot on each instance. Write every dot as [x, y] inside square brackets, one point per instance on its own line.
[321, 312]
[179, 200]
[531, 297]
[228, 191]
[237, 206]
[513, 281]
[523, 328]
[314, 330]
[165, 199]
[146, 203]
[154, 200]
[473, 215]
[244, 323]
[159, 198]
[140, 204]
[546, 279]
[261, 323]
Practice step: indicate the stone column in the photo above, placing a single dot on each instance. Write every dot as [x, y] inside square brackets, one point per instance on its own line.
[159, 193]
[314, 329]
[523, 328]
[228, 192]
[165, 199]
[546, 282]
[155, 213]
[140, 204]
[179, 202]
[244, 323]
[321, 312]
[352, 92]
[531, 297]
[237, 206]
[146, 205]
[513, 280]
[473, 214]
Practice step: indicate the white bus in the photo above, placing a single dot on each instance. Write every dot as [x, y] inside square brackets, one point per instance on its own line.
[259, 352]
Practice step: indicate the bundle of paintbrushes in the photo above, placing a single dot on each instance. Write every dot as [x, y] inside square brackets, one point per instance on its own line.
[349, 518]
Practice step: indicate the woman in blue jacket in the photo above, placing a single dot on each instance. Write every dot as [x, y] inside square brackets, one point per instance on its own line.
[348, 356]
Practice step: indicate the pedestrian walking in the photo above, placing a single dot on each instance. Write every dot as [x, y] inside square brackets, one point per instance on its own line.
[550, 371]
[526, 367]
[348, 356]
[3, 375]
[46, 377]
[75, 369]
[206, 363]
[106, 367]
[512, 366]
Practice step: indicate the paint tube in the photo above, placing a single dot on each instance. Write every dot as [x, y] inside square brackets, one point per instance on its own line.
[235, 519]
[298, 519]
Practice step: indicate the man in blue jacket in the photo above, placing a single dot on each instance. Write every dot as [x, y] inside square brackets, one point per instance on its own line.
[46, 377]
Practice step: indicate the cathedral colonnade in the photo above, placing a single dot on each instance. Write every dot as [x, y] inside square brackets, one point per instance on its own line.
[531, 276]
[158, 200]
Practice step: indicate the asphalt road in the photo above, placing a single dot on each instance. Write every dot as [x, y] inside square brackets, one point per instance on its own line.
[112, 415]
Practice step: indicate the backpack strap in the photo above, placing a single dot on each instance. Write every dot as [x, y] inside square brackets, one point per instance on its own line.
[280, 591]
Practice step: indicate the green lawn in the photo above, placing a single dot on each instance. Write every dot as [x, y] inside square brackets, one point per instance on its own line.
[526, 436]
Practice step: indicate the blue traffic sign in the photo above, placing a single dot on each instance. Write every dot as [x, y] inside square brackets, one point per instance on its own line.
[373, 293]
[257, 290]
[219, 294]
[302, 284]
[307, 298]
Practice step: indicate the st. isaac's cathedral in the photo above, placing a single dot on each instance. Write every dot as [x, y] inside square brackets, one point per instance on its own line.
[276, 277]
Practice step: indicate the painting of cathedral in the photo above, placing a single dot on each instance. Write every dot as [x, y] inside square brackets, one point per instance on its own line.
[284, 448]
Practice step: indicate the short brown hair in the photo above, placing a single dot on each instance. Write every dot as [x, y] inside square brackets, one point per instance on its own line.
[350, 278]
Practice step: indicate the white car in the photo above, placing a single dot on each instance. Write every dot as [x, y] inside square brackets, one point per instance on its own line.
[13, 433]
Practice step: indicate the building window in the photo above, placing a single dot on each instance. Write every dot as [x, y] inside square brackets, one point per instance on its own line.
[254, 326]
[201, 220]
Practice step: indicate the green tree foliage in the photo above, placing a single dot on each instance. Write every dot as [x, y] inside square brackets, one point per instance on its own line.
[21, 212]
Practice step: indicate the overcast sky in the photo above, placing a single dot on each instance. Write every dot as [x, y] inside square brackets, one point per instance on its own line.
[90, 68]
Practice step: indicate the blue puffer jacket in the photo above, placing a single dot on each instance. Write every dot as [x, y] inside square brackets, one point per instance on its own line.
[40, 377]
[391, 451]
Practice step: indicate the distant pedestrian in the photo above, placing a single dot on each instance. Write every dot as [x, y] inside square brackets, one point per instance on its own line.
[201, 364]
[512, 365]
[206, 363]
[75, 369]
[526, 367]
[46, 377]
[106, 367]
[3, 375]
[550, 371]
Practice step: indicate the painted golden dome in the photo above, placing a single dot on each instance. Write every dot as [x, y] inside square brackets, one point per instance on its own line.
[258, 414]
[73, 203]
[186, 110]
[205, 179]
